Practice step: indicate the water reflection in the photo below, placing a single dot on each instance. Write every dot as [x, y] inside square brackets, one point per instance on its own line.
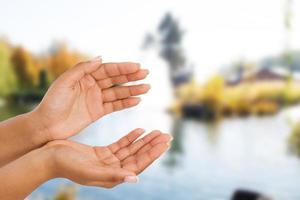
[176, 150]
[239, 153]
[294, 140]
[178, 125]
[206, 161]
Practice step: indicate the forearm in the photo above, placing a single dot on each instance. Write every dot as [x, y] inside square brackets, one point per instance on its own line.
[20, 135]
[22, 176]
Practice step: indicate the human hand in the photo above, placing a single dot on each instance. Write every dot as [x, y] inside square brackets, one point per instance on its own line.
[86, 93]
[110, 165]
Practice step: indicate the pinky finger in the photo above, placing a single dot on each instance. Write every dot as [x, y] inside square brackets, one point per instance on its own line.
[114, 106]
[107, 185]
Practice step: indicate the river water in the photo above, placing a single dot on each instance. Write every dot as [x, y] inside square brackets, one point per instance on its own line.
[207, 161]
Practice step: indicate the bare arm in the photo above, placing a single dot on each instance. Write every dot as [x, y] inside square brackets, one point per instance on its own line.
[80, 96]
[106, 166]
[22, 176]
[20, 135]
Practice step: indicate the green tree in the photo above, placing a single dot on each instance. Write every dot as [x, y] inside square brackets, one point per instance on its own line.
[7, 75]
[25, 67]
[43, 80]
[61, 59]
[169, 45]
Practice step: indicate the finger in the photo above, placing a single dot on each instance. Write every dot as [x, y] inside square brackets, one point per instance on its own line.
[106, 153]
[115, 69]
[126, 140]
[111, 184]
[114, 106]
[111, 174]
[129, 150]
[74, 74]
[162, 138]
[103, 184]
[123, 92]
[144, 160]
[111, 81]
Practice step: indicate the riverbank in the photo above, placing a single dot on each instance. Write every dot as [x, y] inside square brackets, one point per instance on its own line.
[216, 99]
[7, 110]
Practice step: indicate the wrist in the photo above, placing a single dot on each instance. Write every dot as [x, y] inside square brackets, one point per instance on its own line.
[52, 150]
[48, 161]
[26, 173]
[37, 131]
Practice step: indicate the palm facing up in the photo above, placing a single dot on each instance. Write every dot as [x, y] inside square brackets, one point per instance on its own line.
[86, 93]
[109, 165]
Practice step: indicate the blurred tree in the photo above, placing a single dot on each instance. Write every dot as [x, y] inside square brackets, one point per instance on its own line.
[43, 80]
[61, 59]
[171, 39]
[169, 45]
[26, 68]
[213, 89]
[7, 75]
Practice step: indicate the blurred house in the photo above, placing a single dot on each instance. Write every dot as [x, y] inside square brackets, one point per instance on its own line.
[277, 68]
[244, 88]
[262, 74]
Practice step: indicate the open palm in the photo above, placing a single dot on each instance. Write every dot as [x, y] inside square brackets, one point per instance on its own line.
[87, 92]
[108, 166]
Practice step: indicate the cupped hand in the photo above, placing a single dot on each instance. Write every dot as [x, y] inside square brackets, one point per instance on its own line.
[110, 165]
[86, 93]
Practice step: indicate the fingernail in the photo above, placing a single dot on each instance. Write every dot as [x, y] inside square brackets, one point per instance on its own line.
[97, 59]
[148, 86]
[131, 179]
[141, 131]
[147, 71]
[169, 146]
[138, 99]
[171, 138]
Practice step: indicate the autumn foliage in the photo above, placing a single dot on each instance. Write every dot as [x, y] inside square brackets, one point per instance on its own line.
[25, 68]
[21, 70]
[61, 58]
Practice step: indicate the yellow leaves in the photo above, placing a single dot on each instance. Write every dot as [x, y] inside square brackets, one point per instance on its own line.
[294, 140]
[264, 106]
[19, 67]
[257, 97]
[61, 59]
[25, 67]
[213, 90]
[7, 77]
[189, 92]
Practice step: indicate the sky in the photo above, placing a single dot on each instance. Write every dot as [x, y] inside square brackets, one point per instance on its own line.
[217, 32]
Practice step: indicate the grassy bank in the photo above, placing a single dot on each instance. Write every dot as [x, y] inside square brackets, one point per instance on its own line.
[216, 99]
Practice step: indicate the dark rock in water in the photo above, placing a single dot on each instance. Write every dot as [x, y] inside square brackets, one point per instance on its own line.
[198, 111]
[248, 195]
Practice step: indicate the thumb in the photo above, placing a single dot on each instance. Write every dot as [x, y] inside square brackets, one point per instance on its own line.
[74, 74]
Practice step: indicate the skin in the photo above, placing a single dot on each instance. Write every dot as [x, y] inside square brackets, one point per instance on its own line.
[33, 146]
[105, 166]
[77, 98]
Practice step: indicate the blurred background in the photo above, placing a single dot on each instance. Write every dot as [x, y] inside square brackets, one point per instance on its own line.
[225, 79]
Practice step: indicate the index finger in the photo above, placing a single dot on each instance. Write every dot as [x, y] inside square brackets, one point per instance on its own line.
[107, 70]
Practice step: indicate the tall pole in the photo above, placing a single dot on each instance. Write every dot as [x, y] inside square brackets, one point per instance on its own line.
[288, 15]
